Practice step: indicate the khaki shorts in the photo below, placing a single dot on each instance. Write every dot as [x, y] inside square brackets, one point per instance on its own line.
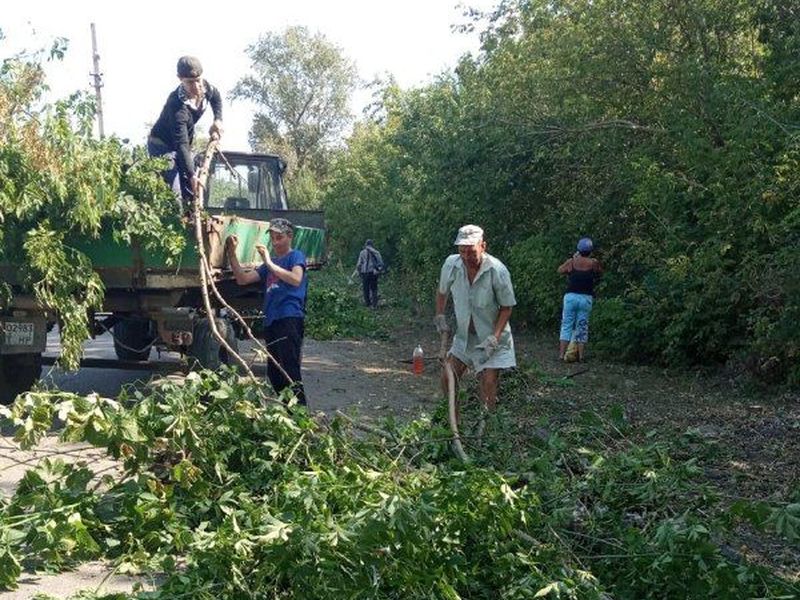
[503, 357]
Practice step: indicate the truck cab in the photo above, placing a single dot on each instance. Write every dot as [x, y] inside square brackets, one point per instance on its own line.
[244, 181]
[250, 186]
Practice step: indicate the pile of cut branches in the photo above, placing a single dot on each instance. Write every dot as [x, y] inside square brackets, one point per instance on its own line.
[234, 499]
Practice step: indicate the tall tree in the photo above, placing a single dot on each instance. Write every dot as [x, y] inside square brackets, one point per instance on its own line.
[301, 83]
[667, 131]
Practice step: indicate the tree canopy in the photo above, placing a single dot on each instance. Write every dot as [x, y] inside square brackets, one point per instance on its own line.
[301, 84]
[666, 131]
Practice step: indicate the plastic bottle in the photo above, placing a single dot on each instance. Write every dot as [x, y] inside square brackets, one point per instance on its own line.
[417, 360]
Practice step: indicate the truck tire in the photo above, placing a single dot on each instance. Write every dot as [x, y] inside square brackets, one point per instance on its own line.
[132, 339]
[18, 373]
[206, 352]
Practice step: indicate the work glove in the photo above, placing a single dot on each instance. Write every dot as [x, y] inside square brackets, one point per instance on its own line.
[489, 347]
[440, 321]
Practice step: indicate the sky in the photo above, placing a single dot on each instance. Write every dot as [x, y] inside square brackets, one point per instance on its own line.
[139, 43]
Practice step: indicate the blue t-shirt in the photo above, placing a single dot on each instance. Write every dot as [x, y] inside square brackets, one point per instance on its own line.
[282, 299]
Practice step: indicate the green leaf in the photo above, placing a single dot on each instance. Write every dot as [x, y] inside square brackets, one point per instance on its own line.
[10, 569]
[555, 588]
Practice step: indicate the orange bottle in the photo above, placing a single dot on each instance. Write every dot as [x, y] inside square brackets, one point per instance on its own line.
[417, 360]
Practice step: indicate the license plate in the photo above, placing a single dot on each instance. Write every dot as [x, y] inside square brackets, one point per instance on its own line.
[18, 334]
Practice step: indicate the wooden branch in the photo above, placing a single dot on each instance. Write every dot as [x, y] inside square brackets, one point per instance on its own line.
[451, 401]
[204, 266]
[364, 426]
[248, 331]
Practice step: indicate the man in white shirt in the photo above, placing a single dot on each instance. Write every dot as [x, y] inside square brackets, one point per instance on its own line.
[482, 298]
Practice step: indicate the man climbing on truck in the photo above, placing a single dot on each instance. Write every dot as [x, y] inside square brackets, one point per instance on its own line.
[173, 133]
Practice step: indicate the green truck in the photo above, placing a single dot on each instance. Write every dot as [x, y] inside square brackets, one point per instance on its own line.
[149, 304]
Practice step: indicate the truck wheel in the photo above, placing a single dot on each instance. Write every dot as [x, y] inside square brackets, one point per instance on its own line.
[131, 334]
[206, 352]
[18, 372]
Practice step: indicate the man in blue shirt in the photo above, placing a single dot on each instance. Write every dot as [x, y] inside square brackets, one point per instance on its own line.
[284, 276]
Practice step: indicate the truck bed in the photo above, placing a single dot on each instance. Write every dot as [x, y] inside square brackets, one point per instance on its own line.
[132, 267]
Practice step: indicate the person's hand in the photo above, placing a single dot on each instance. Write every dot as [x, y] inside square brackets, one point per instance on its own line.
[215, 131]
[195, 186]
[231, 243]
[262, 251]
[489, 346]
[440, 321]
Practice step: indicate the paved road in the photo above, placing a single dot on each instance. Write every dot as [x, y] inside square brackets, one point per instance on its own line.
[106, 382]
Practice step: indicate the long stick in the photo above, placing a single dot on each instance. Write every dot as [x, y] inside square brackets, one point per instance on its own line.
[204, 268]
[248, 331]
[207, 279]
[365, 427]
[451, 399]
[261, 347]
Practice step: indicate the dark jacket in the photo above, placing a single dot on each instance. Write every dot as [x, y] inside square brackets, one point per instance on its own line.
[175, 127]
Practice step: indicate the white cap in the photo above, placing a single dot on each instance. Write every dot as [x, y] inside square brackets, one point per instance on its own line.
[469, 235]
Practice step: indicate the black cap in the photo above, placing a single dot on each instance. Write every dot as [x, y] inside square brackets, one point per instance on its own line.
[190, 67]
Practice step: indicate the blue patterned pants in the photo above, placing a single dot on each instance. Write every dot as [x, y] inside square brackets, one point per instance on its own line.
[575, 317]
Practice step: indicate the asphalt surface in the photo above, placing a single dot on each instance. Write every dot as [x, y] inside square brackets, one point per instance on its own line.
[104, 381]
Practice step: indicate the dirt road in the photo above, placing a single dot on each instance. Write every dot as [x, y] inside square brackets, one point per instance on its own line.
[366, 374]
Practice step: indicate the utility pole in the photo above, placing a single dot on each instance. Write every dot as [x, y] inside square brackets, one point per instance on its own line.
[97, 76]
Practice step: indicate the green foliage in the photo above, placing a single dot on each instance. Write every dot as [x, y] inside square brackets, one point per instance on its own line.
[264, 500]
[666, 133]
[64, 281]
[303, 189]
[783, 519]
[301, 83]
[59, 189]
[333, 311]
[535, 280]
[260, 501]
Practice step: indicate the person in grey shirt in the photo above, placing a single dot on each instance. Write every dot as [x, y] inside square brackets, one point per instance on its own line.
[483, 297]
[369, 267]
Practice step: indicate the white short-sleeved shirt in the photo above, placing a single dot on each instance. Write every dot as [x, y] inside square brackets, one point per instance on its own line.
[479, 302]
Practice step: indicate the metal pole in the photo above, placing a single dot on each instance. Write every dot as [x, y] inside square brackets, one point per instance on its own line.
[97, 76]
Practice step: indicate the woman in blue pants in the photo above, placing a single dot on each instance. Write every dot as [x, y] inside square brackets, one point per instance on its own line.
[581, 271]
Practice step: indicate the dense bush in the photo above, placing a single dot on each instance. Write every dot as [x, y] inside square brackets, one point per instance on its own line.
[334, 308]
[665, 131]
